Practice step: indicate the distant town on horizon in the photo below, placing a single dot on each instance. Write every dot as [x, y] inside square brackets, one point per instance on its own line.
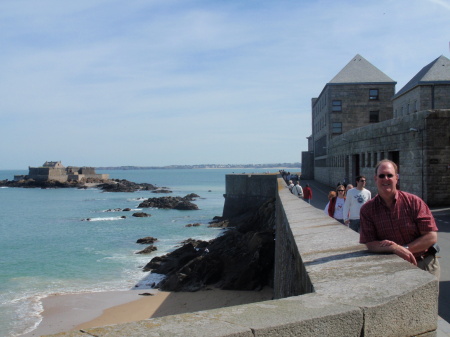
[204, 166]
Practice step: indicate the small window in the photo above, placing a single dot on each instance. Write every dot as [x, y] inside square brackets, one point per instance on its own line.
[373, 94]
[337, 128]
[374, 117]
[336, 106]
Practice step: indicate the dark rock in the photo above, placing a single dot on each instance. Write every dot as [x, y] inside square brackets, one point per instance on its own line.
[127, 209]
[114, 210]
[147, 250]
[191, 196]
[241, 259]
[169, 263]
[169, 203]
[31, 183]
[123, 185]
[193, 224]
[162, 191]
[141, 215]
[147, 240]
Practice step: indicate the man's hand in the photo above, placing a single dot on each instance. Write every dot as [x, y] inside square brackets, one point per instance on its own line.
[347, 222]
[405, 254]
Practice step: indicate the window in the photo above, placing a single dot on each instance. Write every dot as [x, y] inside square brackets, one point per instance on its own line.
[374, 117]
[337, 128]
[373, 94]
[375, 159]
[336, 106]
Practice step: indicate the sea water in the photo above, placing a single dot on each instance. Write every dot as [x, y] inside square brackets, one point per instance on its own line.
[47, 246]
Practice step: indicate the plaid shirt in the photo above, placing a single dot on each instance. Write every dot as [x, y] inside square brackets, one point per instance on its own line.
[403, 224]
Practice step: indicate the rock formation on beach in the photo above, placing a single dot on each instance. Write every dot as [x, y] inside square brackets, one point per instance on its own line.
[180, 203]
[240, 259]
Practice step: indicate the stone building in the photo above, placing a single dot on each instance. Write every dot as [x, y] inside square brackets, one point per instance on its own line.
[52, 170]
[417, 139]
[358, 95]
[428, 90]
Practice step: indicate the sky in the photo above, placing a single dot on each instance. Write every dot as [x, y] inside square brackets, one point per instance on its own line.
[184, 82]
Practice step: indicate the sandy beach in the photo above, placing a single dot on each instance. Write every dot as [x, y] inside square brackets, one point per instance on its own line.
[83, 311]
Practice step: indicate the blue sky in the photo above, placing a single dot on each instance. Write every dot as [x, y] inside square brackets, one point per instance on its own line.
[152, 83]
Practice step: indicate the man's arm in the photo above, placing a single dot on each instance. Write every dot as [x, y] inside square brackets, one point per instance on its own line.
[423, 242]
[419, 245]
[387, 246]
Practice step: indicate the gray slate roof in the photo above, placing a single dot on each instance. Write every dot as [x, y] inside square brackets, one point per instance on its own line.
[359, 70]
[437, 71]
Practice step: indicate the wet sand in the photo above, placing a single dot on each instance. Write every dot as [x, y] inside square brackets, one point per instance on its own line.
[83, 311]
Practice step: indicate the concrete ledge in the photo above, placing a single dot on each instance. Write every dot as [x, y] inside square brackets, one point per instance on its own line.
[345, 290]
[397, 299]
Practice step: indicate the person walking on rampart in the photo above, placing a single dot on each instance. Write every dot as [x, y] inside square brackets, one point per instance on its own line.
[290, 185]
[307, 193]
[356, 197]
[399, 222]
[297, 190]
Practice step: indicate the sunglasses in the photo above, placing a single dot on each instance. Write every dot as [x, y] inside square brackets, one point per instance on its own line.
[341, 190]
[362, 180]
[382, 176]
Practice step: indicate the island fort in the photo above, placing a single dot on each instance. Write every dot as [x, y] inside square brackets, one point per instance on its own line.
[54, 170]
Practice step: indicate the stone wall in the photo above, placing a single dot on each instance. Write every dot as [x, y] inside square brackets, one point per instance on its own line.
[47, 173]
[244, 192]
[423, 97]
[419, 143]
[326, 284]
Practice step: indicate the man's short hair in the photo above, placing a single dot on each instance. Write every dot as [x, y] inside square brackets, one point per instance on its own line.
[386, 161]
[358, 178]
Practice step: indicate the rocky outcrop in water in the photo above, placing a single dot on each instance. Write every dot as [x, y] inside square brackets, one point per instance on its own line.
[141, 215]
[123, 185]
[241, 259]
[147, 250]
[31, 183]
[146, 240]
[180, 203]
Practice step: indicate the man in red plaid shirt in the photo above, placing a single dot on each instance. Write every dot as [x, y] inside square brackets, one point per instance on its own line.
[399, 222]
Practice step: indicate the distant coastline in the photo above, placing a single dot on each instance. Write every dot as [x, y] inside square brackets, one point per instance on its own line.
[205, 166]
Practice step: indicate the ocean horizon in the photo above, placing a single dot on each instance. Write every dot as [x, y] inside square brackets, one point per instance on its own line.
[48, 248]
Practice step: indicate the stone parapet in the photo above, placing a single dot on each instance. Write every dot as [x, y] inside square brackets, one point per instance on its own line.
[335, 287]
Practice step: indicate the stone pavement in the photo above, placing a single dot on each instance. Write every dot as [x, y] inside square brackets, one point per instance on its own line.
[442, 217]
